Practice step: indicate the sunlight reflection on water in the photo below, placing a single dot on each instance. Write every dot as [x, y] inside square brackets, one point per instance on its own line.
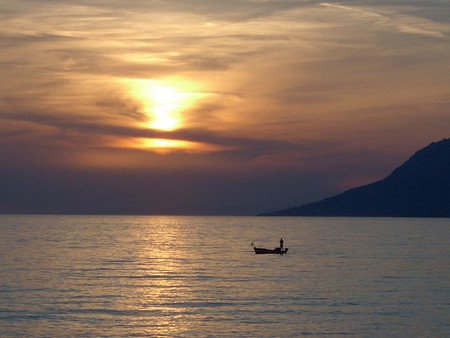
[197, 276]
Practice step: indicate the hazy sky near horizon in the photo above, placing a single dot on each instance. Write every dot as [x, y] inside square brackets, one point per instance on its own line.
[213, 107]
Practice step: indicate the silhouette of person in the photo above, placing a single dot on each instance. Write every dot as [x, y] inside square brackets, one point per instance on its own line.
[281, 243]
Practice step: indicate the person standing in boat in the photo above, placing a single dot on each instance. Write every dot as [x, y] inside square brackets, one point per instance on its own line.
[281, 244]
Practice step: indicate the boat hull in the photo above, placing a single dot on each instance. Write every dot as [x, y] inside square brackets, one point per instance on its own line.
[270, 251]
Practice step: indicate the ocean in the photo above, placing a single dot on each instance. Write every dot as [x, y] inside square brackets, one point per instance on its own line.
[174, 276]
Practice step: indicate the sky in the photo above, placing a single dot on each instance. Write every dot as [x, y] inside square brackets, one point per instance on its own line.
[210, 107]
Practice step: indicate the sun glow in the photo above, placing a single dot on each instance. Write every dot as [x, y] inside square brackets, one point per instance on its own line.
[164, 143]
[163, 101]
[165, 105]
[166, 146]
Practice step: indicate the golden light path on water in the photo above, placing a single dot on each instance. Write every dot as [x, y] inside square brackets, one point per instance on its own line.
[166, 264]
[197, 276]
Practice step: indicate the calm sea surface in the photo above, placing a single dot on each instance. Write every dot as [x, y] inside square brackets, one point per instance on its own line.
[114, 276]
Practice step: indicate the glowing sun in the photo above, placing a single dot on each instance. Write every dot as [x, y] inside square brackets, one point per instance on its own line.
[163, 102]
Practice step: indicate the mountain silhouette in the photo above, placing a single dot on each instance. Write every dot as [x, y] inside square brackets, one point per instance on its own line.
[418, 188]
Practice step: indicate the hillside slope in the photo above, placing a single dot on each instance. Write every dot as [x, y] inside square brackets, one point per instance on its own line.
[418, 188]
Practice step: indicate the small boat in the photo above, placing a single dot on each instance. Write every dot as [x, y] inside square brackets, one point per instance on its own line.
[270, 251]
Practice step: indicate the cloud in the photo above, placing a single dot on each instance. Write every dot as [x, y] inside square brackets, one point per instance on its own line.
[405, 23]
[284, 88]
[95, 129]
